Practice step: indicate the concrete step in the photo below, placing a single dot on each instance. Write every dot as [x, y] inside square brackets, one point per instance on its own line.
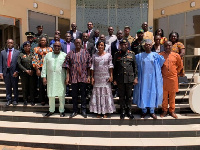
[103, 131]
[113, 119]
[180, 108]
[93, 143]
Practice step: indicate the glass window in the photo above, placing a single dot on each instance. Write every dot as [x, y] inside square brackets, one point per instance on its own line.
[48, 22]
[163, 24]
[176, 24]
[63, 26]
[193, 22]
[190, 63]
[191, 43]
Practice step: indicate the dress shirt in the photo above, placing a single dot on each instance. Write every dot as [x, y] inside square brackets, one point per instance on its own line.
[74, 34]
[117, 44]
[68, 47]
[110, 39]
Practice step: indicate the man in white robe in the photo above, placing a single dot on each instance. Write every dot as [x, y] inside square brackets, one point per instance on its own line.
[54, 76]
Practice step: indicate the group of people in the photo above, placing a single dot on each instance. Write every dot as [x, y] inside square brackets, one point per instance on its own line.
[92, 64]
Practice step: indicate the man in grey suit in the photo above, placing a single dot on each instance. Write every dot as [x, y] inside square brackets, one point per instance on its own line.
[75, 34]
[9, 71]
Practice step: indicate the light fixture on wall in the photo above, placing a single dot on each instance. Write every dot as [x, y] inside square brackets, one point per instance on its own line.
[61, 12]
[162, 12]
[35, 5]
[192, 4]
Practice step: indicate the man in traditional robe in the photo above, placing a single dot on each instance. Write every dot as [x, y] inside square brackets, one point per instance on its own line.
[54, 76]
[149, 90]
[171, 67]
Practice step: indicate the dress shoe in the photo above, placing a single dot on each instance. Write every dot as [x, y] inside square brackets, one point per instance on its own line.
[62, 114]
[32, 103]
[8, 103]
[42, 103]
[84, 114]
[173, 115]
[49, 114]
[25, 103]
[143, 115]
[163, 114]
[130, 115]
[73, 114]
[14, 103]
[153, 115]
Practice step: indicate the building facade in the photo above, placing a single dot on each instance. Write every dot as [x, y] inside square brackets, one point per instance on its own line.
[182, 16]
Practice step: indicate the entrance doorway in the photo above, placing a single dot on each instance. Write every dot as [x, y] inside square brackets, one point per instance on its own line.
[8, 31]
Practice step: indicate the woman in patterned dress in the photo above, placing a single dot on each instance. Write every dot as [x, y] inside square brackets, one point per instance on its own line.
[101, 101]
[177, 47]
[161, 33]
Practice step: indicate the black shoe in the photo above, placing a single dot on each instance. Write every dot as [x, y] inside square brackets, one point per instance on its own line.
[84, 114]
[42, 103]
[122, 116]
[49, 114]
[8, 103]
[73, 114]
[32, 103]
[14, 103]
[25, 103]
[62, 114]
[153, 116]
[143, 115]
[130, 115]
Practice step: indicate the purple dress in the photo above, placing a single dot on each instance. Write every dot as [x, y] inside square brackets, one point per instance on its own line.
[101, 101]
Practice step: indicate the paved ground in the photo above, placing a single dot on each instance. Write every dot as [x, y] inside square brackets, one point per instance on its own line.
[3, 147]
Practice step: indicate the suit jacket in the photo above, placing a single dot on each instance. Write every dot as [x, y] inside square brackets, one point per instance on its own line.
[161, 48]
[78, 35]
[113, 48]
[90, 47]
[13, 65]
[91, 38]
[64, 47]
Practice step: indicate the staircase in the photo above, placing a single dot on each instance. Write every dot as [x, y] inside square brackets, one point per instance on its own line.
[26, 126]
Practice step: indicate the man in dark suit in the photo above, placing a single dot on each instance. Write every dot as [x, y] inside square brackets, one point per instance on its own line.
[9, 71]
[75, 34]
[87, 45]
[115, 46]
[90, 32]
[67, 45]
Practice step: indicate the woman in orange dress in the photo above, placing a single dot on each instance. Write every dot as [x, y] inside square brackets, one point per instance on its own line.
[161, 33]
[177, 47]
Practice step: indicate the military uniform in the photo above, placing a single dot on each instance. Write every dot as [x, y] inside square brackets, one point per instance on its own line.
[33, 44]
[28, 82]
[125, 72]
[130, 39]
[37, 37]
[137, 47]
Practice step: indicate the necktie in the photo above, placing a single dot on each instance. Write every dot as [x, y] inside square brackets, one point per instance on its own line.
[88, 33]
[9, 58]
